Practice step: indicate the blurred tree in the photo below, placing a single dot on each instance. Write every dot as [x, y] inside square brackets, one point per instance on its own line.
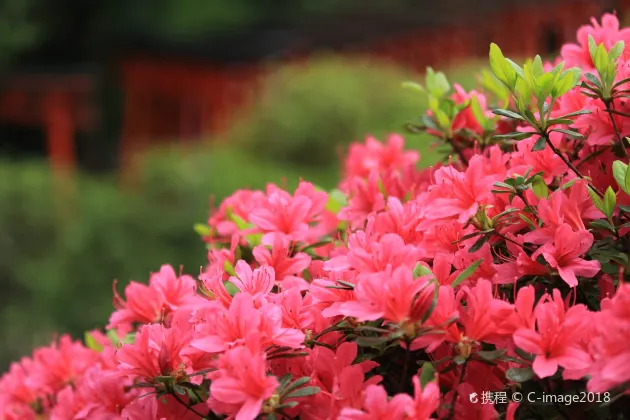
[17, 29]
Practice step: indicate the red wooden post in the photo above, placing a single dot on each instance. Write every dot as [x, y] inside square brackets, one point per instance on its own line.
[59, 127]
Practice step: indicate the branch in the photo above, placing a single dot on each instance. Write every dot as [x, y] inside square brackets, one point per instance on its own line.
[451, 412]
[570, 165]
[614, 124]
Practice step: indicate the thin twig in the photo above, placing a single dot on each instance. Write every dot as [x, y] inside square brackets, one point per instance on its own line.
[591, 155]
[451, 412]
[614, 124]
[456, 149]
[528, 248]
[570, 165]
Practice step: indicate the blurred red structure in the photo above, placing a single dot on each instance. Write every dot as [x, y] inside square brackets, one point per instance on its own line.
[169, 99]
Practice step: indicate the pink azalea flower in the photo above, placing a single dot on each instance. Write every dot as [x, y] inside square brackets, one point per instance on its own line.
[565, 253]
[242, 382]
[555, 342]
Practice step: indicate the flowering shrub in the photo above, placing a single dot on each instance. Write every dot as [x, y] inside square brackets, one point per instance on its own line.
[494, 285]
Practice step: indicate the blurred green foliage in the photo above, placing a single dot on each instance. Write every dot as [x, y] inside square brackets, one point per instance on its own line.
[306, 111]
[17, 28]
[58, 259]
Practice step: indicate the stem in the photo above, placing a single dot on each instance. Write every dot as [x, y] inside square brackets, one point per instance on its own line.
[451, 412]
[591, 155]
[570, 165]
[614, 124]
[188, 406]
[456, 149]
[525, 247]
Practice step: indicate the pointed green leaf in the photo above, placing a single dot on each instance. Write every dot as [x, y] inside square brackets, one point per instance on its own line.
[540, 187]
[570, 133]
[467, 273]
[517, 135]
[620, 171]
[596, 200]
[421, 270]
[508, 114]
[610, 202]
[307, 391]
[520, 375]
[413, 87]
[427, 374]
[202, 230]
[540, 144]
[91, 343]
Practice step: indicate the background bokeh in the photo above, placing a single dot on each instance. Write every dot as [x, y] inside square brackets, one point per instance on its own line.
[325, 73]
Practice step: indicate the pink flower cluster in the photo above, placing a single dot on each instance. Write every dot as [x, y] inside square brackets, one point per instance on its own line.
[395, 297]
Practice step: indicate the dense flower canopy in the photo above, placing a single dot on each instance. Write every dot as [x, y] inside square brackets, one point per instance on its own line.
[404, 293]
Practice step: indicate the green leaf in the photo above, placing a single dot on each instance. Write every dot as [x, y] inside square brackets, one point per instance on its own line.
[616, 50]
[479, 243]
[570, 133]
[540, 144]
[336, 201]
[202, 230]
[501, 68]
[610, 202]
[421, 270]
[91, 343]
[413, 87]
[229, 268]
[467, 273]
[596, 200]
[437, 84]
[296, 384]
[620, 172]
[363, 341]
[491, 355]
[508, 114]
[517, 135]
[307, 391]
[523, 354]
[575, 114]
[540, 187]
[427, 374]
[569, 184]
[477, 112]
[602, 224]
[519, 375]
[594, 80]
[427, 314]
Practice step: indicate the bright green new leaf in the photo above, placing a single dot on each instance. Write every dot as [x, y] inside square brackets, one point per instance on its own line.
[421, 270]
[467, 272]
[610, 201]
[621, 174]
[540, 187]
[202, 230]
[537, 67]
[229, 268]
[336, 201]
[475, 107]
[427, 374]
[501, 68]
[91, 343]
[596, 200]
[413, 87]
[616, 50]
